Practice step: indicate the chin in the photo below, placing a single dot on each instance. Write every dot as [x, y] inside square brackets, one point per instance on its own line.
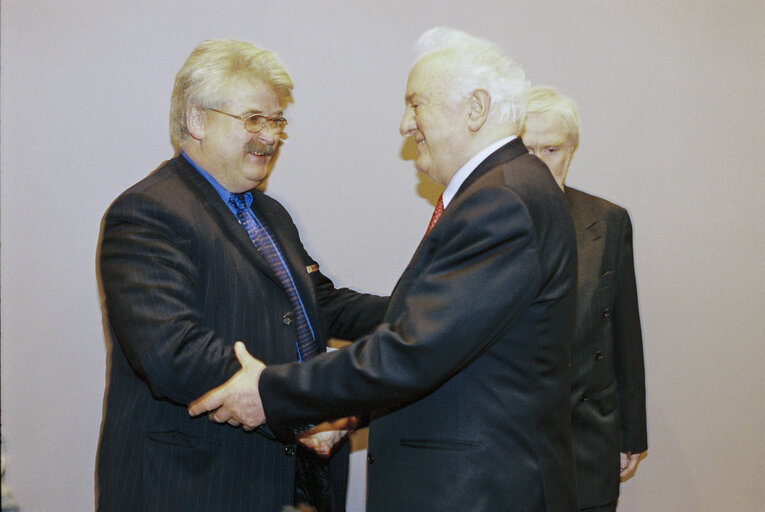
[421, 166]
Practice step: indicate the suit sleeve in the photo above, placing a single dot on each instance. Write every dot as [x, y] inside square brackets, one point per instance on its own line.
[348, 314]
[432, 330]
[150, 281]
[344, 313]
[628, 348]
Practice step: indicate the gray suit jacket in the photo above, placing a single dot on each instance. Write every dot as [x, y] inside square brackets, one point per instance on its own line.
[608, 380]
[471, 364]
[181, 283]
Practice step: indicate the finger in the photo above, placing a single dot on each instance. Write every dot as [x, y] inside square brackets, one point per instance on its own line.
[242, 354]
[219, 416]
[308, 442]
[207, 402]
[629, 464]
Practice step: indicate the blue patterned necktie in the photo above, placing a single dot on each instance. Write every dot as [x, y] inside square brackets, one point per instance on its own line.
[266, 246]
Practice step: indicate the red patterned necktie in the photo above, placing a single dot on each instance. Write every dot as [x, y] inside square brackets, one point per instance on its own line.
[436, 213]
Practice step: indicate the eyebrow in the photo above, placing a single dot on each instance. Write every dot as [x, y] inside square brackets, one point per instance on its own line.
[257, 112]
[410, 97]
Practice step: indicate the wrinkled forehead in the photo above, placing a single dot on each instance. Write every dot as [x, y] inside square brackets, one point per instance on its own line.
[429, 76]
[252, 95]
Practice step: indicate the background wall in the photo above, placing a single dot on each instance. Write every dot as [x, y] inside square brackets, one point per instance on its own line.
[671, 101]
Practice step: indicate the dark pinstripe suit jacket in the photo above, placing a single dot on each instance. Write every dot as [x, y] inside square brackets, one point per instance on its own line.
[608, 379]
[473, 357]
[181, 282]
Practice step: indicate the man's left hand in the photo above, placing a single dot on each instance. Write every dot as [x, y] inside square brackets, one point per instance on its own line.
[322, 439]
[629, 464]
[237, 401]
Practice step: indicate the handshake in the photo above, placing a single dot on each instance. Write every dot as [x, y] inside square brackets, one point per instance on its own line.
[237, 402]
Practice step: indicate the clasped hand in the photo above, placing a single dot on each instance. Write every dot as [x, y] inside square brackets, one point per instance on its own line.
[237, 402]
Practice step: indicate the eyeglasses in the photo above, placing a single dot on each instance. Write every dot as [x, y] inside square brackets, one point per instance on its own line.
[256, 122]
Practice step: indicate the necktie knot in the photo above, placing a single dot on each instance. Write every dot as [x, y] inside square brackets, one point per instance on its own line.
[237, 201]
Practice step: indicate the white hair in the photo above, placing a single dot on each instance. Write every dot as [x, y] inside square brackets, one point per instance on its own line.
[543, 98]
[476, 63]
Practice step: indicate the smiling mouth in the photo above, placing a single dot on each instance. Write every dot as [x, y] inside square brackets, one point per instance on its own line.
[259, 149]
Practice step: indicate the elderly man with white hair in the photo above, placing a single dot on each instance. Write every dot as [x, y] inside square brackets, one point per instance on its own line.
[608, 378]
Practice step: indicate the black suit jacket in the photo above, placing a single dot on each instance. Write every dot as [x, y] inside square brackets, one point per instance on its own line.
[608, 378]
[472, 360]
[182, 282]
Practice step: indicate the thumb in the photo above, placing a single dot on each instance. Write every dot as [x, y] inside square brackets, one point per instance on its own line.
[242, 355]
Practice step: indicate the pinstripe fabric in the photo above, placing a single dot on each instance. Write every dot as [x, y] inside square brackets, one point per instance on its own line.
[258, 233]
[181, 282]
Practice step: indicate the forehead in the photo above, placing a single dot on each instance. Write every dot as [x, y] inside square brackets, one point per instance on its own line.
[545, 128]
[426, 77]
[251, 96]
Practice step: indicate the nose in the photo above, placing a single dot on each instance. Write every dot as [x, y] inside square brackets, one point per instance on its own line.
[269, 135]
[407, 125]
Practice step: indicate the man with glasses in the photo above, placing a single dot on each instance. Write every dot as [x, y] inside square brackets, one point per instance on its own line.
[192, 259]
[467, 379]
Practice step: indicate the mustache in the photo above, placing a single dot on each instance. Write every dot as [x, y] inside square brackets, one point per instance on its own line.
[260, 148]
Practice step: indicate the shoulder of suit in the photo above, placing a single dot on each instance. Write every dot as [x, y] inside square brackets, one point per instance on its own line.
[579, 199]
[164, 171]
[173, 185]
[263, 201]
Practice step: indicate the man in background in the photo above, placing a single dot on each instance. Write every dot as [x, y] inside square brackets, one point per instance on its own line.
[467, 378]
[608, 380]
[193, 258]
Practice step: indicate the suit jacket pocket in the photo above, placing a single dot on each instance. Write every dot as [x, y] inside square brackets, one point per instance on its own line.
[178, 469]
[457, 445]
[606, 289]
[606, 399]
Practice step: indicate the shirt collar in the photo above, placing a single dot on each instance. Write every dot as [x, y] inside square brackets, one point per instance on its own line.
[460, 176]
[222, 192]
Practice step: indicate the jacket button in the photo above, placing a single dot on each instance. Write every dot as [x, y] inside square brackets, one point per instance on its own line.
[598, 356]
[287, 318]
[606, 313]
[289, 451]
[370, 459]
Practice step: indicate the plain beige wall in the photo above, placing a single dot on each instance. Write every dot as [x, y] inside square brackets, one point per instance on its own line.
[671, 101]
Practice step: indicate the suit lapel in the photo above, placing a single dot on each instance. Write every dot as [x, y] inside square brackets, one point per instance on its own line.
[292, 257]
[221, 214]
[501, 156]
[506, 153]
[590, 239]
[211, 201]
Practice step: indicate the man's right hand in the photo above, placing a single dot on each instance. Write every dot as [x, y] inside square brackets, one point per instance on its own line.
[237, 401]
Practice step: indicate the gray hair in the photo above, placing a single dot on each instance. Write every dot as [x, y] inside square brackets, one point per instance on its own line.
[543, 98]
[214, 64]
[476, 63]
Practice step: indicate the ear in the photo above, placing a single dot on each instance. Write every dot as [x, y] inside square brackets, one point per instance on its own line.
[480, 103]
[195, 121]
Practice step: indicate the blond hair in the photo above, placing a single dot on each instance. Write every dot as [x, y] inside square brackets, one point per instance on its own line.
[212, 65]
